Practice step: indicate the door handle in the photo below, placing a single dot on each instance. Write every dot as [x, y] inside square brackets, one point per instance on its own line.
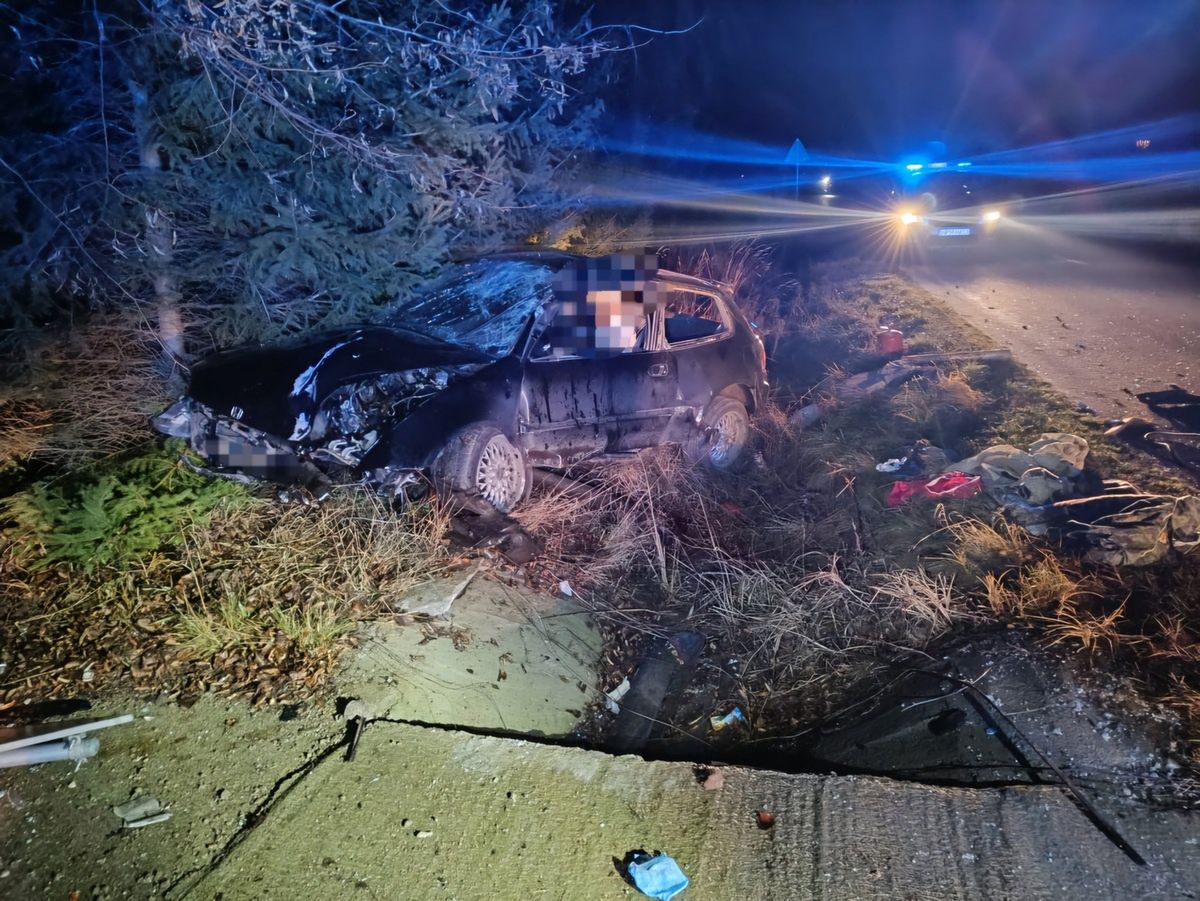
[658, 370]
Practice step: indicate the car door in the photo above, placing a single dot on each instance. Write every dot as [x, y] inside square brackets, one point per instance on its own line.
[645, 389]
[566, 408]
[697, 328]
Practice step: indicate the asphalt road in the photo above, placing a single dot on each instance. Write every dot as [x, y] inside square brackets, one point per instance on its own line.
[1096, 321]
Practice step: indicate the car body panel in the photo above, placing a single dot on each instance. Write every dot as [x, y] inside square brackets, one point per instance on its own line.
[380, 402]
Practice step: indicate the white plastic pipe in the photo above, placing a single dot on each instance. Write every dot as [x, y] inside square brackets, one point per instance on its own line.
[67, 749]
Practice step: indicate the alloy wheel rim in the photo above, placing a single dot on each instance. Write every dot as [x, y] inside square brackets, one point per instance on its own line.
[500, 478]
[730, 432]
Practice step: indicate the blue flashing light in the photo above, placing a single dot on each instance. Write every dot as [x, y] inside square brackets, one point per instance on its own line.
[915, 167]
[937, 165]
[962, 165]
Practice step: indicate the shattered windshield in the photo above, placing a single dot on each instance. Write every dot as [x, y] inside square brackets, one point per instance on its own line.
[483, 305]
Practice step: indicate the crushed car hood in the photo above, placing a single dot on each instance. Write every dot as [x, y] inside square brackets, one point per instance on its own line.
[269, 387]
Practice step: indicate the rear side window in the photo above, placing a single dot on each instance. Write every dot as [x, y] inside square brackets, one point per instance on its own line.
[691, 316]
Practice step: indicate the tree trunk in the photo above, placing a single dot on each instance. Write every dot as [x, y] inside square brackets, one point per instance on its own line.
[160, 240]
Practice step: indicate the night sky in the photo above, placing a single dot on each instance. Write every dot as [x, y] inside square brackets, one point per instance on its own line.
[876, 78]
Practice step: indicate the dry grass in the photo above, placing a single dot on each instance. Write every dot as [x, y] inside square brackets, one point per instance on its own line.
[1175, 639]
[1047, 585]
[814, 633]
[927, 598]
[25, 425]
[352, 550]
[85, 396]
[1016, 576]
[980, 547]
[260, 601]
[613, 518]
[1001, 599]
[1094, 634]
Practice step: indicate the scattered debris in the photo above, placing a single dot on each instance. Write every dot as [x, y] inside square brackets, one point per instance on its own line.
[947, 485]
[892, 465]
[764, 818]
[614, 696]
[1177, 405]
[45, 742]
[834, 390]
[714, 781]
[1124, 528]
[735, 716]
[435, 598]
[658, 876]
[1047, 491]
[1005, 468]
[356, 714]
[889, 341]
[144, 810]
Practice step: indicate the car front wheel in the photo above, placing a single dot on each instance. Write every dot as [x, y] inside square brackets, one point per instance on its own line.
[727, 429]
[480, 460]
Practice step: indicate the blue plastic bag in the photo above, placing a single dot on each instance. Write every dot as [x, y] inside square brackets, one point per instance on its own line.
[658, 877]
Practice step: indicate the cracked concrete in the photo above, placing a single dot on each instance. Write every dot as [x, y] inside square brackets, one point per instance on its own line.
[428, 812]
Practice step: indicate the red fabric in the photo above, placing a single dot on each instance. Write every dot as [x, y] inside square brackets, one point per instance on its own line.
[948, 484]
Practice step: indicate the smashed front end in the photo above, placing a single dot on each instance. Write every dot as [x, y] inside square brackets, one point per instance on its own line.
[355, 404]
[238, 451]
[336, 400]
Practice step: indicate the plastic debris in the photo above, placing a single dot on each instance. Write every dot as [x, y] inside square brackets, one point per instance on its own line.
[720, 722]
[148, 821]
[565, 589]
[657, 877]
[892, 465]
[715, 781]
[434, 598]
[144, 810]
[612, 697]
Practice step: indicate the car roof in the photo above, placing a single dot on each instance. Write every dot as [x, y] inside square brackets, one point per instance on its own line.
[557, 259]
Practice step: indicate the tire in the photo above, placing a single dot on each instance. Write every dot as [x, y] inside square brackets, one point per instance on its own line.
[482, 462]
[726, 434]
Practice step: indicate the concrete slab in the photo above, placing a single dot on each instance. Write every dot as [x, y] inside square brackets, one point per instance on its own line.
[439, 814]
[503, 658]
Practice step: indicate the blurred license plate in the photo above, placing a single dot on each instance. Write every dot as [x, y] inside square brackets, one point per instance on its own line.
[953, 232]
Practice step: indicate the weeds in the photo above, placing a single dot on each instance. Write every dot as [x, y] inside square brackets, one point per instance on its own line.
[260, 599]
[206, 631]
[922, 596]
[980, 549]
[1094, 634]
[942, 407]
[112, 513]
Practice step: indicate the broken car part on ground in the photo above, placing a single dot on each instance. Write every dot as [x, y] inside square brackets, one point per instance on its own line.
[507, 363]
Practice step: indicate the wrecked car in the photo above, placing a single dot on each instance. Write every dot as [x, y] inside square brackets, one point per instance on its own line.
[504, 364]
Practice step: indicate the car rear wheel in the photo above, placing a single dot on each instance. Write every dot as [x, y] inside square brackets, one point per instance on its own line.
[480, 460]
[727, 433]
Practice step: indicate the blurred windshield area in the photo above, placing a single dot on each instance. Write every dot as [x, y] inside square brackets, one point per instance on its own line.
[483, 305]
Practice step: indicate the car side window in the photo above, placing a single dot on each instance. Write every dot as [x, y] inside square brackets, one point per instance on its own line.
[608, 324]
[691, 316]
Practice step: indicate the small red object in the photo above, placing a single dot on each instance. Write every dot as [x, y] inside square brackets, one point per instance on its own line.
[890, 341]
[765, 819]
[948, 484]
[954, 484]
